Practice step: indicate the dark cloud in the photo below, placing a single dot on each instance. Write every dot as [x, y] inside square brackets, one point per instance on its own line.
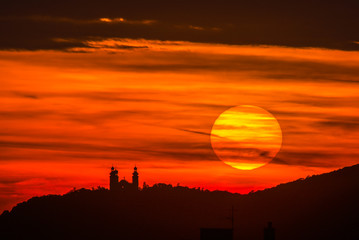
[323, 101]
[34, 25]
[327, 159]
[182, 151]
[249, 153]
[90, 95]
[222, 107]
[15, 114]
[259, 68]
[26, 95]
[102, 96]
[348, 123]
[12, 180]
[295, 70]
[196, 132]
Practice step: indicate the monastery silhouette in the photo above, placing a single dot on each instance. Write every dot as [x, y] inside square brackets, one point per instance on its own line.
[205, 233]
[123, 185]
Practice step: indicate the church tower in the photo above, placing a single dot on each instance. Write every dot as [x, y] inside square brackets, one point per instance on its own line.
[113, 179]
[135, 179]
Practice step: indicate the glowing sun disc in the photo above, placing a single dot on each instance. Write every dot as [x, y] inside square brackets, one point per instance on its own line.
[246, 137]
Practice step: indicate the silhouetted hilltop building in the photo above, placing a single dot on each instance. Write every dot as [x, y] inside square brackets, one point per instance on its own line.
[113, 178]
[122, 185]
[135, 178]
[269, 232]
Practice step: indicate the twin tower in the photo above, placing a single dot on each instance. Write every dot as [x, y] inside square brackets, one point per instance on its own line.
[123, 185]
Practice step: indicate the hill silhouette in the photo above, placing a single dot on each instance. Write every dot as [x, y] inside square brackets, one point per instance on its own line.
[318, 207]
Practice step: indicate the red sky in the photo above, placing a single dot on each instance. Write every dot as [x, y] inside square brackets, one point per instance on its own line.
[88, 84]
[67, 116]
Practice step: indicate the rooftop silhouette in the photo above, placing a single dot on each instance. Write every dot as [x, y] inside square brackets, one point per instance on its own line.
[123, 185]
[269, 232]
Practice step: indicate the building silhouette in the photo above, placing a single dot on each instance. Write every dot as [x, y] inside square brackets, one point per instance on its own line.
[269, 232]
[123, 185]
[216, 233]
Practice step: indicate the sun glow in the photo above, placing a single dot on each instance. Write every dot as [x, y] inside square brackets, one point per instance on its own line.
[246, 137]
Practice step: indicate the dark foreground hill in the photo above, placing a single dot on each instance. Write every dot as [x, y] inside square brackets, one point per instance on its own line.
[320, 207]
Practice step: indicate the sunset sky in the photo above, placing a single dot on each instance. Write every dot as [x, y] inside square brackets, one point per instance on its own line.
[92, 84]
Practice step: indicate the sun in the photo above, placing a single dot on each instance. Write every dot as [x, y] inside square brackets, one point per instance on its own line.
[246, 137]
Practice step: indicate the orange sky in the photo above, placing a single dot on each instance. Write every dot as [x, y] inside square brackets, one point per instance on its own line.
[67, 116]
